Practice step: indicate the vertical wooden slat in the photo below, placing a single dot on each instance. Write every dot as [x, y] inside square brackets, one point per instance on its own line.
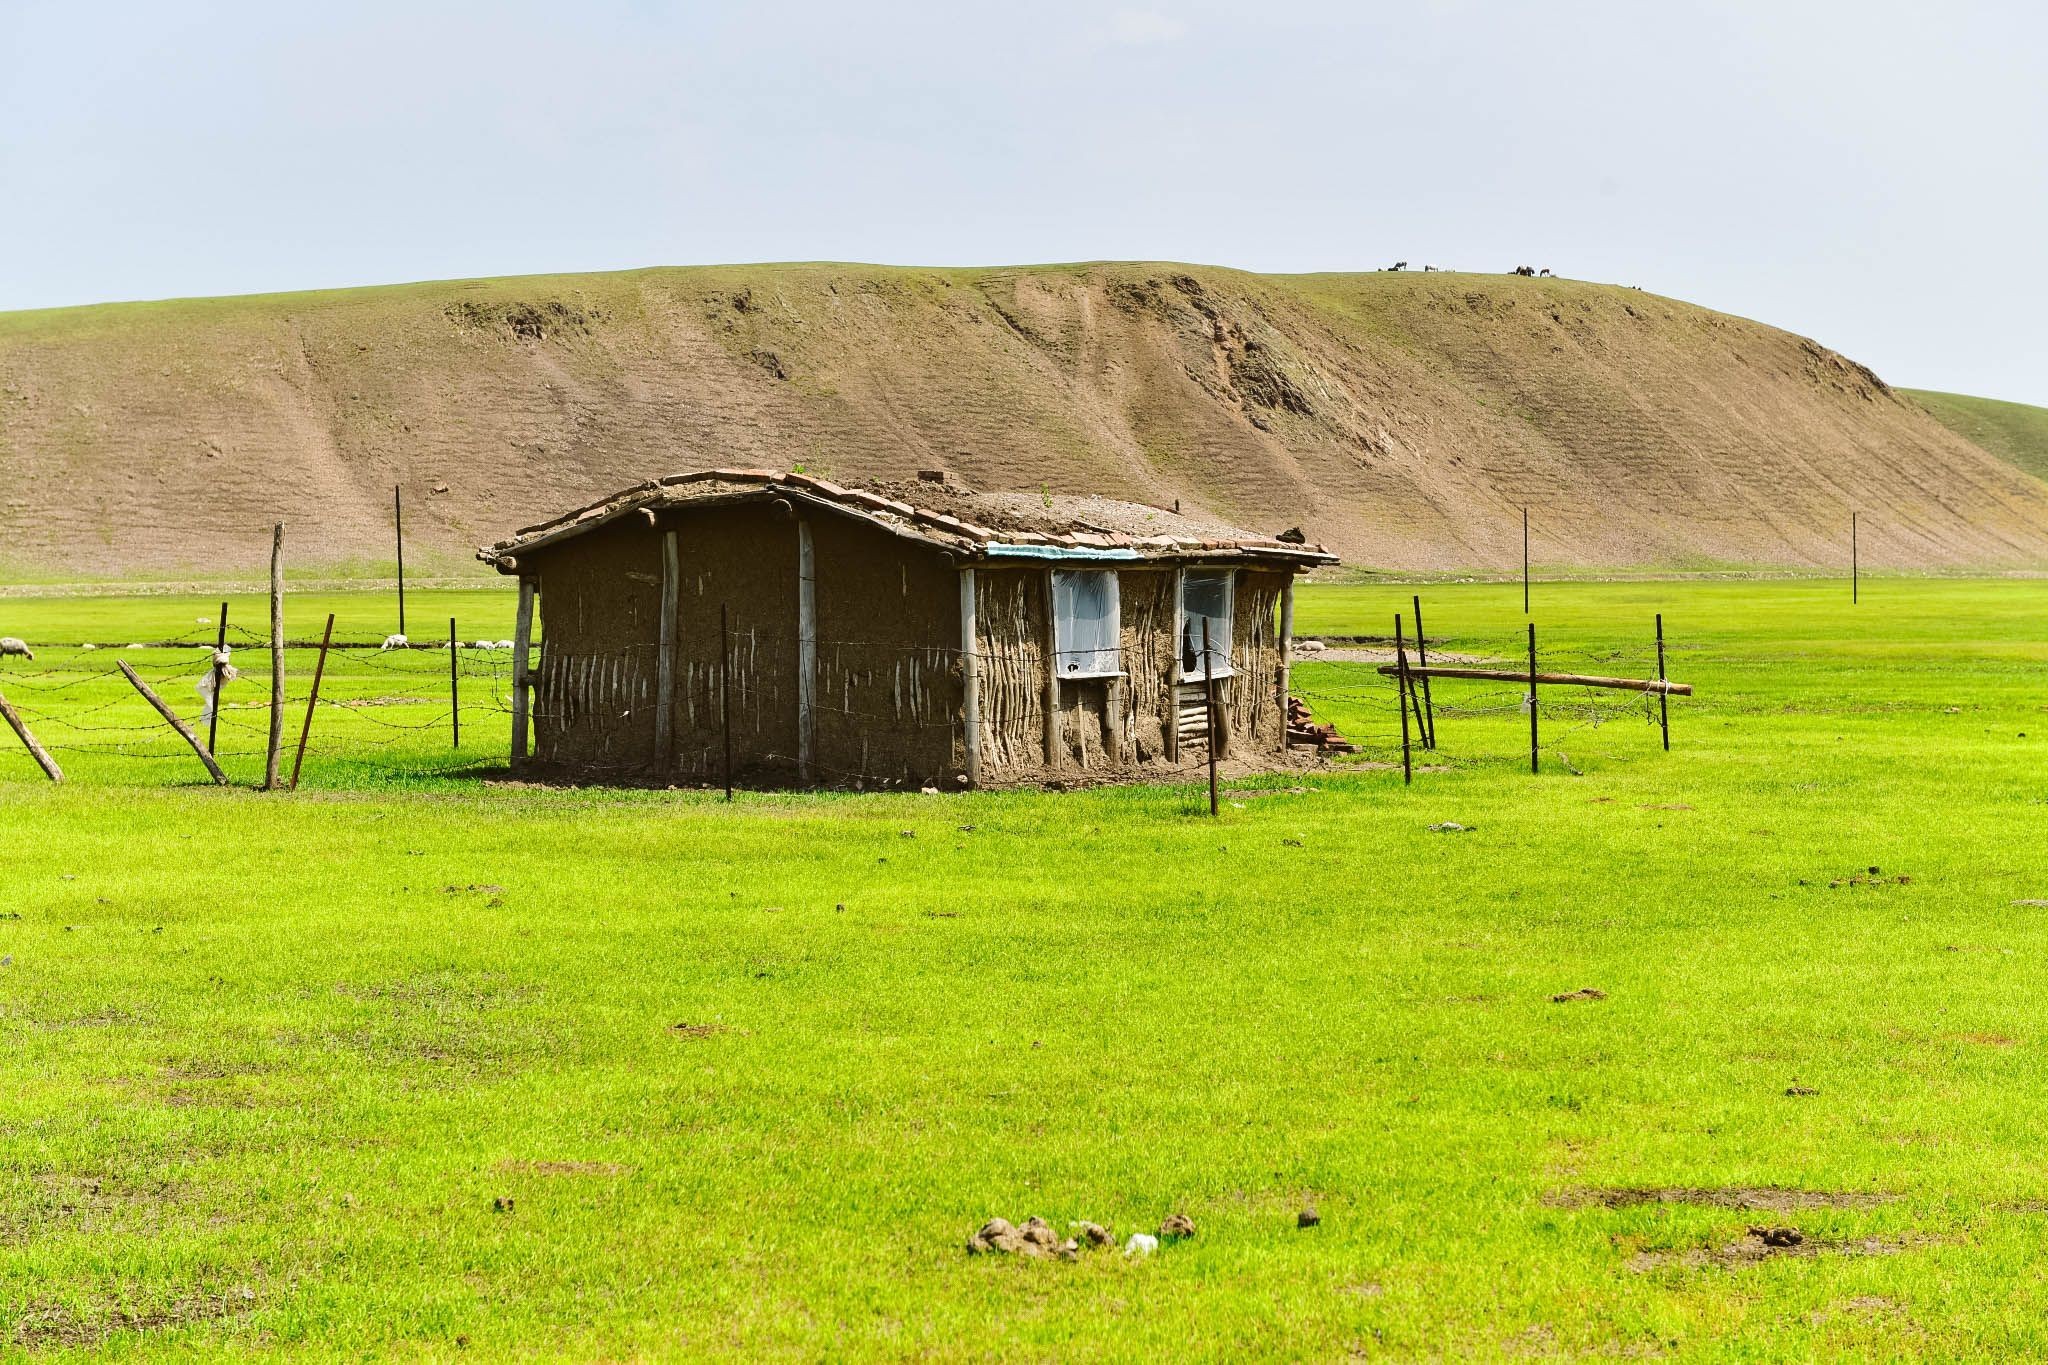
[522, 640]
[806, 649]
[1053, 743]
[970, 676]
[665, 659]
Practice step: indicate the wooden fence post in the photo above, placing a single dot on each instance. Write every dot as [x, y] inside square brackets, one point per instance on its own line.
[1209, 700]
[522, 679]
[1663, 696]
[1402, 691]
[665, 656]
[313, 700]
[1422, 659]
[276, 745]
[970, 675]
[213, 712]
[35, 750]
[1533, 763]
[454, 687]
[184, 730]
[398, 538]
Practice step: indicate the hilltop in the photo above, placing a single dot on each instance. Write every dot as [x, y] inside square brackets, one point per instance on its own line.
[1404, 419]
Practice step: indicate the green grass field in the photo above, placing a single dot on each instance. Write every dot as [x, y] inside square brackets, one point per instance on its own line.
[416, 1063]
[2016, 431]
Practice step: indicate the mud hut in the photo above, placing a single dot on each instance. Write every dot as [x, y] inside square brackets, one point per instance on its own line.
[795, 631]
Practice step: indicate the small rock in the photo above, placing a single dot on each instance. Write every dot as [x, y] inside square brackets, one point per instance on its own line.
[1308, 1217]
[1093, 1233]
[1176, 1226]
[1070, 1250]
[1039, 1232]
[7, 961]
[1141, 1244]
[1450, 827]
[997, 1235]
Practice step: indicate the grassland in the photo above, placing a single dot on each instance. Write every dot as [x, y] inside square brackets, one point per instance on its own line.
[434, 1066]
[2015, 431]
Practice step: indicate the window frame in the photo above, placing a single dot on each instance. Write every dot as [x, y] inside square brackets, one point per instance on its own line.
[1060, 649]
[1223, 667]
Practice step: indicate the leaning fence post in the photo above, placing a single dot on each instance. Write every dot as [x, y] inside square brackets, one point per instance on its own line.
[1533, 763]
[184, 730]
[454, 688]
[1402, 690]
[35, 750]
[1209, 701]
[220, 644]
[1422, 661]
[1663, 694]
[276, 660]
[313, 700]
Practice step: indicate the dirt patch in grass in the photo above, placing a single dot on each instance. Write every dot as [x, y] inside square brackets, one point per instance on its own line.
[711, 1030]
[1762, 1244]
[512, 1167]
[1757, 1198]
[51, 1324]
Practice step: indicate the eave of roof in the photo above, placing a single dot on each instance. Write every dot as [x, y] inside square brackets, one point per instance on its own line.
[952, 534]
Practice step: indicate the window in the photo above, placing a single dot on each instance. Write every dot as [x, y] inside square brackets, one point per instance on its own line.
[1205, 596]
[1085, 627]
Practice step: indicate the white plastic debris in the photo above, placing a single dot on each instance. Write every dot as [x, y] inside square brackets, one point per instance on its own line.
[223, 670]
[1141, 1244]
[394, 642]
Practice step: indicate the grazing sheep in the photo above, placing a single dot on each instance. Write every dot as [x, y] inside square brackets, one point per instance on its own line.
[394, 642]
[504, 644]
[10, 645]
[1398, 265]
[88, 646]
[1545, 273]
[1526, 270]
[480, 644]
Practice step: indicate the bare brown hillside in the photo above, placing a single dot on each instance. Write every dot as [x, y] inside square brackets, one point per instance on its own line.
[1401, 419]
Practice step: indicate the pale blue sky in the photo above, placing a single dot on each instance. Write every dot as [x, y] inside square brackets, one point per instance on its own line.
[1869, 173]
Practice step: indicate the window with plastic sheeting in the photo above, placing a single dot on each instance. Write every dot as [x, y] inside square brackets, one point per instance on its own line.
[1085, 624]
[1205, 597]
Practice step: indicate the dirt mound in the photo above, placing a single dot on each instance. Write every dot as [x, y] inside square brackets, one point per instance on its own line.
[1401, 419]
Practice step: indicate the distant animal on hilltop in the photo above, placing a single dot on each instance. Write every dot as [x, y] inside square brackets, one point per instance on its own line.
[1398, 265]
[1545, 273]
[10, 645]
[1526, 270]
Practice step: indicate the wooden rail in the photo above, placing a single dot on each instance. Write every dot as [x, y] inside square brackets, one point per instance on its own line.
[1674, 689]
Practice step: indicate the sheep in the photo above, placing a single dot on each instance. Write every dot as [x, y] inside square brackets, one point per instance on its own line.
[504, 644]
[1545, 273]
[394, 642]
[1398, 265]
[480, 644]
[1526, 270]
[88, 645]
[11, 645]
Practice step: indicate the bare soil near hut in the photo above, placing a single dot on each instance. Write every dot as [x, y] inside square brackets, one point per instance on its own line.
[1403, 419]
[421, 1063]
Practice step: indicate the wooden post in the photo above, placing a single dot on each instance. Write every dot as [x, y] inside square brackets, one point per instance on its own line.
[725, 690]
[35, 750]
[665, 657]
[1428, 702]
[806, 649]
[454, 687]
[1663, 697]
[522, 680]
[398, 537]
[1855, 565]
[1533, 765]
[276, 746]
[220, 643]
[1525, 561]
[312, 701]
[970, 675]
[1051, 698]
[1286, 649]
[1412, 694]
[1209, 701]
[1401, 700]
[1173, 668]
[184, 730]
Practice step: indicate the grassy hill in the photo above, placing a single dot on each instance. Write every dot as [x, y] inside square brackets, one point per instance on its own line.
[1404, 419]
[2013, 431]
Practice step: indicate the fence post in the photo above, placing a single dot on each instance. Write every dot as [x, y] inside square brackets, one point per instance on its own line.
[312, 701]
[522, 679]
[1525, 561]
[1663, 696]
[398, 538]
[725, 689]
[220, 643]
[1209, 702]
[184, 731]
[1534, 765]
[1401, 696]
[1855, 565]
[1422, 661]
[276, 744]
[35, 750]
[454, 687]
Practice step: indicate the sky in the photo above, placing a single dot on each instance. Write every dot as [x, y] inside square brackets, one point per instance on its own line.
[1864, 172]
